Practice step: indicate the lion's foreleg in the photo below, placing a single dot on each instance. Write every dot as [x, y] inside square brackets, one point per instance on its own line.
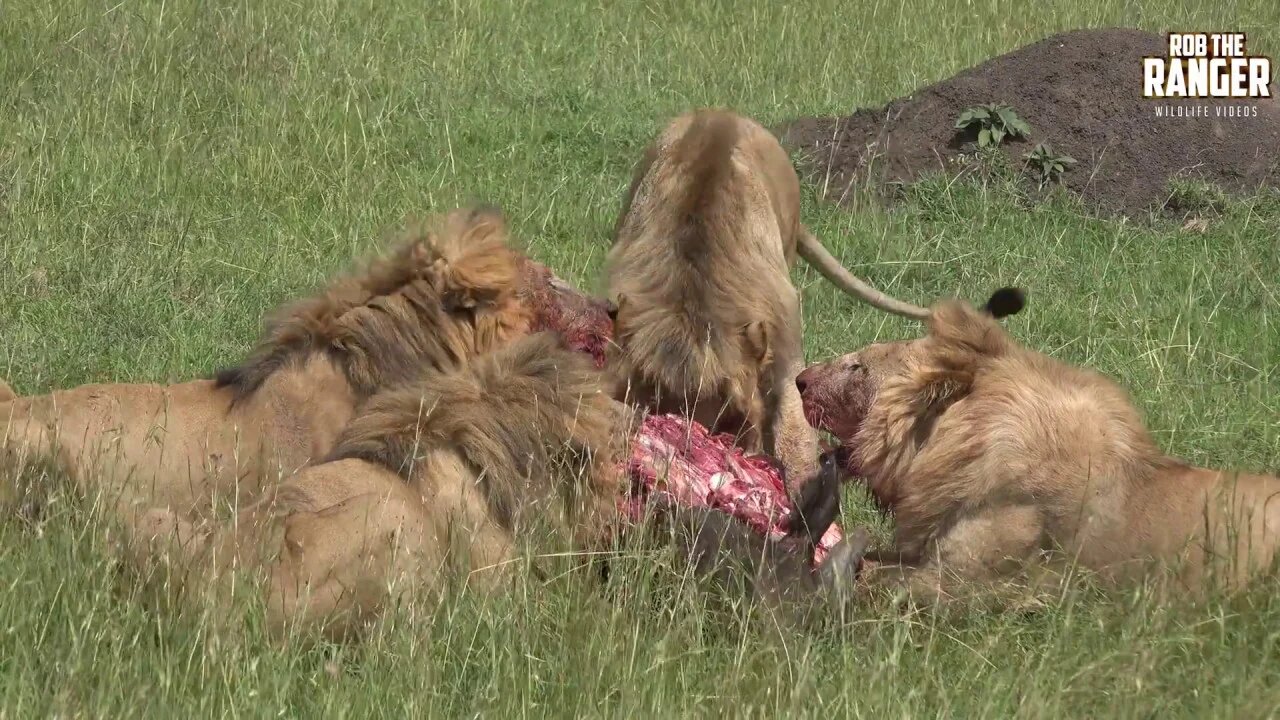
[980, 547]
[794, 442]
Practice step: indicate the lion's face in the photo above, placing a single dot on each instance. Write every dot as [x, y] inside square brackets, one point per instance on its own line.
[839, 394]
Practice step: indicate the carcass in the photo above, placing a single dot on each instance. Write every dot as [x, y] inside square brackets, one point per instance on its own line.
[670, 455]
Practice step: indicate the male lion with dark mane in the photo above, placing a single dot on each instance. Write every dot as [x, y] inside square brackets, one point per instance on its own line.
[453, 471]
[994, 458]
[447, 293]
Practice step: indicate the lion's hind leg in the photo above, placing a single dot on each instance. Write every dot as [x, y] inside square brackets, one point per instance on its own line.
[785, 432]
[328, 548]
[794, 442]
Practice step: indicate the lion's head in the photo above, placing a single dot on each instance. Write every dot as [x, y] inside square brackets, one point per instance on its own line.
[839, 393]
[446, 293]
[883, 398]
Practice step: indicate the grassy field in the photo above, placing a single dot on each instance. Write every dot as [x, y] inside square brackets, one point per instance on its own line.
[168, 173]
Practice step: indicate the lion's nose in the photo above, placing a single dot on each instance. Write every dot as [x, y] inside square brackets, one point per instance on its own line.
[802, 382]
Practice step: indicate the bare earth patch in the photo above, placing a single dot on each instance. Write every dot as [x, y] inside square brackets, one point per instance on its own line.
[1081, 92]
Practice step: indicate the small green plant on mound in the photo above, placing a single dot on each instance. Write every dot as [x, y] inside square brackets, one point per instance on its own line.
[994, 123]
[1049, 164]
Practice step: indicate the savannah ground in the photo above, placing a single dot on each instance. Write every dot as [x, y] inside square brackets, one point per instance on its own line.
[169, 172]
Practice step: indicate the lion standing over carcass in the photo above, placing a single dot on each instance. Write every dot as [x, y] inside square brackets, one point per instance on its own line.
[708, 322]
[991, 456]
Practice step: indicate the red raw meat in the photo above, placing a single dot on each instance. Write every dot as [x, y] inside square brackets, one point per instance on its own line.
[669, 454]
[679, 457]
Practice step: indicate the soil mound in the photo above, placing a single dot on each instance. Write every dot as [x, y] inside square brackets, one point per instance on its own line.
[1081, 92]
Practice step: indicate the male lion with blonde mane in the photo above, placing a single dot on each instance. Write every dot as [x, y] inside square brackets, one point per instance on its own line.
[447, 293]
[994, 458]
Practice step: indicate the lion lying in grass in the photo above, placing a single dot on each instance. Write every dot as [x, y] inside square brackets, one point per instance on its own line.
[445, 294]
[450, 472]
[992, 456]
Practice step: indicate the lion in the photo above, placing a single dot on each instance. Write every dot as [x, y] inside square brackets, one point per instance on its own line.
[707, 321]
[452, 472]
[999, 462]
[448, 292]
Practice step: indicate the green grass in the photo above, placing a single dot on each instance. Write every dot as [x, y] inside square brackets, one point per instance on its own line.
[168, 173]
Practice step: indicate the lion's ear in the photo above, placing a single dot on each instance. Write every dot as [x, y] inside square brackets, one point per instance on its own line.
[614, 306]
[756, 341]
[943, 387]
[928, 392]
[956, 326]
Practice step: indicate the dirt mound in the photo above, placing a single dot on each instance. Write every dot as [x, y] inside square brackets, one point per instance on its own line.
[1081, 92]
